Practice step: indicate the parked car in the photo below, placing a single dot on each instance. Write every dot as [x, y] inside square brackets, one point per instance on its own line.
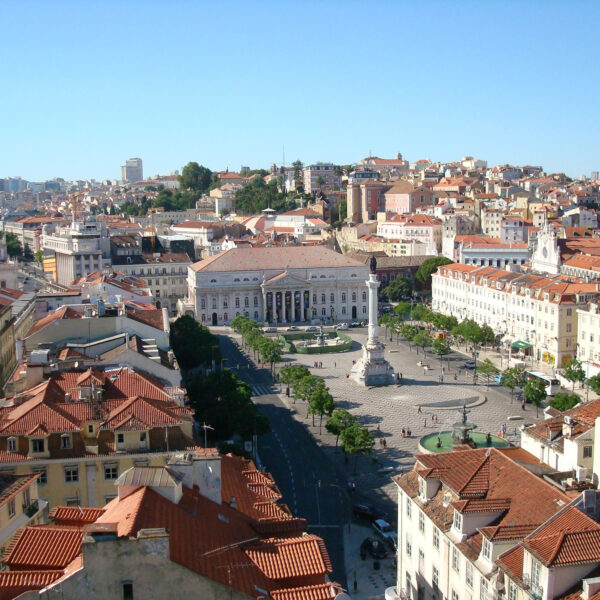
[499, 378]
[342, 326]
[355, 324]
[367, 511]
[312, 328]
[292, 328]
[271, 330]
[373, 547]
[384, 530]
[469, 364]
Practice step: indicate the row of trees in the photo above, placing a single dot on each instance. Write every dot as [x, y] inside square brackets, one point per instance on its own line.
[355, 439]
[13, 245]
[219, 399]
[268, 349]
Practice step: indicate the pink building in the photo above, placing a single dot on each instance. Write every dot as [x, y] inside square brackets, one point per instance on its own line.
[419, 227]
[404, 198]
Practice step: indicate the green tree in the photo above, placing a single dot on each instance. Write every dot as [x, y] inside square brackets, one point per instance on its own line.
[594, 383]
[225, 403]
[357, 440]
[440, 347]
[320, 403]
[399, 288]
[193, 343]
[39, 256]
[13, 245]
[488, 369]
[564, 401]
[420, 313]
[428, 268]
[298, 176]
[304, 387]
[512, 378]
[195, 177]
[340, 419]
[270, 352]
[487, 335]
[573, 372]
[258, 195]
[421, 340]
[402, 309]
[535, 392]
[408, 332]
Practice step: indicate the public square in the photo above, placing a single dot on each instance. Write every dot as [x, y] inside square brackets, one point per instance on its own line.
[387, 410]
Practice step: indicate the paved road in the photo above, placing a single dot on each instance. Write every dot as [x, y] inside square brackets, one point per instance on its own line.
[296, 463]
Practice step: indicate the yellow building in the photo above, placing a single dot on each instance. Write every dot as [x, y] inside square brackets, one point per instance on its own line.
[19, 505]
[7, 342]
[81, 429]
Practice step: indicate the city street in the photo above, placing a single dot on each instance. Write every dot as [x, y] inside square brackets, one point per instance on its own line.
[298, 457]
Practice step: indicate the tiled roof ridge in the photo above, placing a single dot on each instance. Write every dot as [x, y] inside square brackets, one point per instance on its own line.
[484, 462]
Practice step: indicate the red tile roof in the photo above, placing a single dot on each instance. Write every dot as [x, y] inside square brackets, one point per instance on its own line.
[15, 583]
[64, 312]
[43, 547]
[74, 515]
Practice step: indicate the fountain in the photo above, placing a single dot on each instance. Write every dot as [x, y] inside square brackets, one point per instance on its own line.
[462, 434]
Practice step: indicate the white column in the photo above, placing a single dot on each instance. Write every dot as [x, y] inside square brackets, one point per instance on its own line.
[293, 302]
[372, 284]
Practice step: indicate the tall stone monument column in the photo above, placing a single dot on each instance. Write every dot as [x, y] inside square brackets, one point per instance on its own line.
[373, 369]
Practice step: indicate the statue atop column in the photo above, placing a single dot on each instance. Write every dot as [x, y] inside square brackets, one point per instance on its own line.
[373, 368]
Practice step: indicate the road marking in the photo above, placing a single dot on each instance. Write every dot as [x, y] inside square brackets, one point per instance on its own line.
[318, 503]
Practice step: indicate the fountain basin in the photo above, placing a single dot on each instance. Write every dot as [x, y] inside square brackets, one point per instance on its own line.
[428, 443]
[307, 343]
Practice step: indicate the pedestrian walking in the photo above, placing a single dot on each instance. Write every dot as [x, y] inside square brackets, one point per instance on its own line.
[408, 432]
[403, 432]
[455, 377]
[378, 426]
[419, 409]
[384, 443]
[400, 376]
[425, 423]
[441, 379]
[334, 365]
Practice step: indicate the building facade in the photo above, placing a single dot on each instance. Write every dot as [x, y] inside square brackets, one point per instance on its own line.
[277, 284]
[132, 170]
[321, 176]
[538, 310]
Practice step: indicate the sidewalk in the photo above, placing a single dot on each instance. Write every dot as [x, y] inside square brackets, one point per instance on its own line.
[370, 583]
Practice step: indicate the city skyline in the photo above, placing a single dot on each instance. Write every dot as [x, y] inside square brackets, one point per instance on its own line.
[178, 83]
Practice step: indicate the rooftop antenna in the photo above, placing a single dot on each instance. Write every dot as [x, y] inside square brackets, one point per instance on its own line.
[206, 428]
[284, 155]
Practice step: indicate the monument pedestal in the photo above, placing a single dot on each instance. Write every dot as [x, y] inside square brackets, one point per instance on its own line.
[373, 369]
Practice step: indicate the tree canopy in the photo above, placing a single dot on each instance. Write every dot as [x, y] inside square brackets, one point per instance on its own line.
[428, 267]
[258, 195]
[398, 289]
[13, 245]
[535, 392]
[573, 372]
[195, 177]
[193, 343]
[564, 401]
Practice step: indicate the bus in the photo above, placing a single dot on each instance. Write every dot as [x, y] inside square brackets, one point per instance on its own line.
[552, 384]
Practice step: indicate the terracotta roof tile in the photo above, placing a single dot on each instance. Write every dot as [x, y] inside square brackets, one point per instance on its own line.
[324, 591]
[74, 515]
[15, 583]
[43, 547]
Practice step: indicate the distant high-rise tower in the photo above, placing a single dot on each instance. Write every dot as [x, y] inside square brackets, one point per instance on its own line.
[132, 170]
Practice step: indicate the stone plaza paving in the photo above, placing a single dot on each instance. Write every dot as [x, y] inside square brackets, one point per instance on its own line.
[387, 410]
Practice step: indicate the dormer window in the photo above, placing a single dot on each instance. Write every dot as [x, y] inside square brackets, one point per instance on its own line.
[37, 445]
[421, 487]
[457, 521]
[65, 441]
[12, 444]
[486, 549]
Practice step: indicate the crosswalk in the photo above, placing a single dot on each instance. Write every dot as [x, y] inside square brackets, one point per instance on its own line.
[262, 390]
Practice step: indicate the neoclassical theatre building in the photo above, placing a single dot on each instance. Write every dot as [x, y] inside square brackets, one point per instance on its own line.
[277, 285]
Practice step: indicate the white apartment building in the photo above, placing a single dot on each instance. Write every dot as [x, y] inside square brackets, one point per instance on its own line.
[457, 513]
[80, 248]
[277, 284]
[164, 273]
[540, 311]
[491, 221]
[486, 251]
[132, 170]
[588, 342]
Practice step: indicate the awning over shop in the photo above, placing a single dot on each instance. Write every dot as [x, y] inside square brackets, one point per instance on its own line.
[520, 345]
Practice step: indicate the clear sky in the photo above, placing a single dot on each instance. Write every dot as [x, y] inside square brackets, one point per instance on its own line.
[88, 84]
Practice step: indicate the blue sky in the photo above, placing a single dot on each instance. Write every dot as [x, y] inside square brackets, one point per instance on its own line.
[89, 84]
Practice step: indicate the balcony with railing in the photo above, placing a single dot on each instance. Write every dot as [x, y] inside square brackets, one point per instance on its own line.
[532, 588]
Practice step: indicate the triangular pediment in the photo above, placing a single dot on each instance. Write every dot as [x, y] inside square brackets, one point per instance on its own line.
[285, 279]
